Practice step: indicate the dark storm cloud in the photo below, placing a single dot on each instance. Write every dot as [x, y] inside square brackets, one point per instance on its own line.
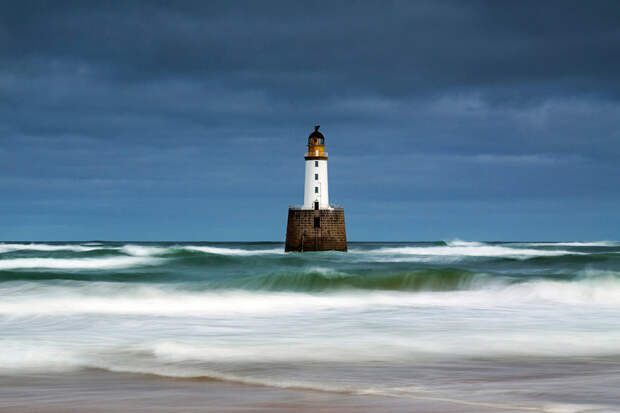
[111, 103]
[389, 48]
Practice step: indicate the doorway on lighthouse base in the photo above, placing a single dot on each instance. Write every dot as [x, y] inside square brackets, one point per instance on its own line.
[316, 206]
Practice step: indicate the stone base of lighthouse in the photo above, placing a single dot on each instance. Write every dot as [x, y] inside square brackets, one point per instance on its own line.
[315, 230]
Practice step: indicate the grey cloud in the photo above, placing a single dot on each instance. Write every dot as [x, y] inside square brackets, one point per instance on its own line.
[205, 106]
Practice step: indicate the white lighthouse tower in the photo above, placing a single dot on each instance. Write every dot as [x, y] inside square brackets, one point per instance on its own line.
[316, 189]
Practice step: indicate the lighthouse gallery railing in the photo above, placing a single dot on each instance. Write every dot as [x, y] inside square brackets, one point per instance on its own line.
[296, 207]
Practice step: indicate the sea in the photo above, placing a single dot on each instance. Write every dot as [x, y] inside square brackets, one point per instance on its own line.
[443, 326]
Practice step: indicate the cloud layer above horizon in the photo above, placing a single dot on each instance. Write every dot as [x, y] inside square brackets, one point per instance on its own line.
[145, 120]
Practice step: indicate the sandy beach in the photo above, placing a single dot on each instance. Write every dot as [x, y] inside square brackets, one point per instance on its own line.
[96, 391]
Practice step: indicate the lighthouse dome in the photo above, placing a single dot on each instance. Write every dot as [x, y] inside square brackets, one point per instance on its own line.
[316, 137]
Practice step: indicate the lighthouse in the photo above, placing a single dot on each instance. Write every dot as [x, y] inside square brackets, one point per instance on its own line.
[316, 190]
[316, 225]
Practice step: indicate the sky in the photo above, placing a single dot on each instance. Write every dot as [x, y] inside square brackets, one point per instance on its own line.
[156, 120]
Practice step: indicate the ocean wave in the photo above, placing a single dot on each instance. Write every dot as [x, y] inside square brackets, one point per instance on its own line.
[444, 252]
[195, 361]
[143, 250]
[118, 298]
[106, 263]
[570, 244]
[230, 251]
[184, 357]
[392, 347]
[456, 250]
[25, 356]
[317, 279]
[163, 359]
[157, 301]
[46, 247]
[138, 249]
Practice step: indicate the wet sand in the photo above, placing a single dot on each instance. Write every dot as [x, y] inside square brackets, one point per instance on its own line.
[96, 391]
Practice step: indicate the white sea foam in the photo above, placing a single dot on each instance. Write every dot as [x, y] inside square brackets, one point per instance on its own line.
[396, 346]
[143, 250]
[46, 247]
[571, 244]
[231, 251]
[170, 361]
[77, 263]
[110, 298]
[119, 348]
[594, 273]
[461, 243]
[25, 356]
[456, 250]
[263, 337]
[154, 301]
[326, 272]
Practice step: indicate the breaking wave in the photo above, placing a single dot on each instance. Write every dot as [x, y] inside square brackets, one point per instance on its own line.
[46, 247]
[321, 279]
[440, 252]
[107, 263]
[460, 249]
[574, 244]
[231, 251]
[142, 250]
[119, 298]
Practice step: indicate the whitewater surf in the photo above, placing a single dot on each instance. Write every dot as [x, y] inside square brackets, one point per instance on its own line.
[471, 324]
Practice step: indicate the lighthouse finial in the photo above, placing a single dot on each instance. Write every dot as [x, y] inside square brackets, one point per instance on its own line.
[316, 128]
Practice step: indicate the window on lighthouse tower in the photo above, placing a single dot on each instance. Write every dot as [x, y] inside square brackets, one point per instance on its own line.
[316, 189]
[316, 177]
